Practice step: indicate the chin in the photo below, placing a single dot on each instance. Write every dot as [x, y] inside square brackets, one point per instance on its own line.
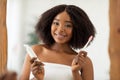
[61, 41]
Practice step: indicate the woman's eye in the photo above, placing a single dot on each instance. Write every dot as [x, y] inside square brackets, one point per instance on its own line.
[55, 23]
[68, 26]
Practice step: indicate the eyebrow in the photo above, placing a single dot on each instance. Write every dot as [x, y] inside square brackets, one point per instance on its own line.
[65, 21]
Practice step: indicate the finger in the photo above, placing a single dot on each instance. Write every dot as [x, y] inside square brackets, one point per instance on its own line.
[41, 69]
[75, 60]
[85, 54]
[39, 63]
[33, 59]
[35, 70]
[34, 64]
[82, 53]
[38, 69]
[81, 59]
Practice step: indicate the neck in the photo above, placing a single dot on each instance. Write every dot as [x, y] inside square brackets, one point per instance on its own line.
[61, 47]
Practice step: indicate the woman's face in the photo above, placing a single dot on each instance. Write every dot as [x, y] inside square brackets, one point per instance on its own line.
[61, 28]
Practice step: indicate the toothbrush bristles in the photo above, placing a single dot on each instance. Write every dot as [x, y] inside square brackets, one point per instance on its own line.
[89, 40]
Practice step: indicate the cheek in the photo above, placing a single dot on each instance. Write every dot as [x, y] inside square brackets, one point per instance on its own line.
[52, 29]
[70, 32]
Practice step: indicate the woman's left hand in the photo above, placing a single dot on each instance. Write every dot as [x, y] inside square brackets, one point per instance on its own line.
[79, 61]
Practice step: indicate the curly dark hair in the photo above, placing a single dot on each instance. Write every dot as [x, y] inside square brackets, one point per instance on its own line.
[82, 30]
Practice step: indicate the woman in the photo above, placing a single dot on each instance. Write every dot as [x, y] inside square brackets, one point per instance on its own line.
[62, 29]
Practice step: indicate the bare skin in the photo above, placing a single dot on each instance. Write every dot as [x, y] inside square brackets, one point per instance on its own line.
[61, 30]
[46, 55]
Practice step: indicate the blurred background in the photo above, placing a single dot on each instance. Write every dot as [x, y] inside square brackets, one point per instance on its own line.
[22, 15]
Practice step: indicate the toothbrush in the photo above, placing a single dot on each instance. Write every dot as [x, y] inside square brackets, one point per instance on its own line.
[83, 49]
[89, 40]
[30, 51]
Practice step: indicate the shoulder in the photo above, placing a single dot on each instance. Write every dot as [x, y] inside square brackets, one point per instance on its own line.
[87, 69]
[88, 60]
[38, 48]
[88, 63]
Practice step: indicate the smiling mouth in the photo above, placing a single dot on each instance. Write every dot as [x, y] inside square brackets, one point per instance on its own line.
[60, 36]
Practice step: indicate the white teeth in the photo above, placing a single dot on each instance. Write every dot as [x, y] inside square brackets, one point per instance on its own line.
[59, 35]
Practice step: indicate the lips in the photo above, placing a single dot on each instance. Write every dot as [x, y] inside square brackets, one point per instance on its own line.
[60, 36]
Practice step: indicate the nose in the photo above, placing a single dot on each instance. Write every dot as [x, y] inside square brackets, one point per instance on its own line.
[61, 29]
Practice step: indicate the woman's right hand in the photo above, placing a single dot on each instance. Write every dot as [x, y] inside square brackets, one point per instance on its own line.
[37, 68]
